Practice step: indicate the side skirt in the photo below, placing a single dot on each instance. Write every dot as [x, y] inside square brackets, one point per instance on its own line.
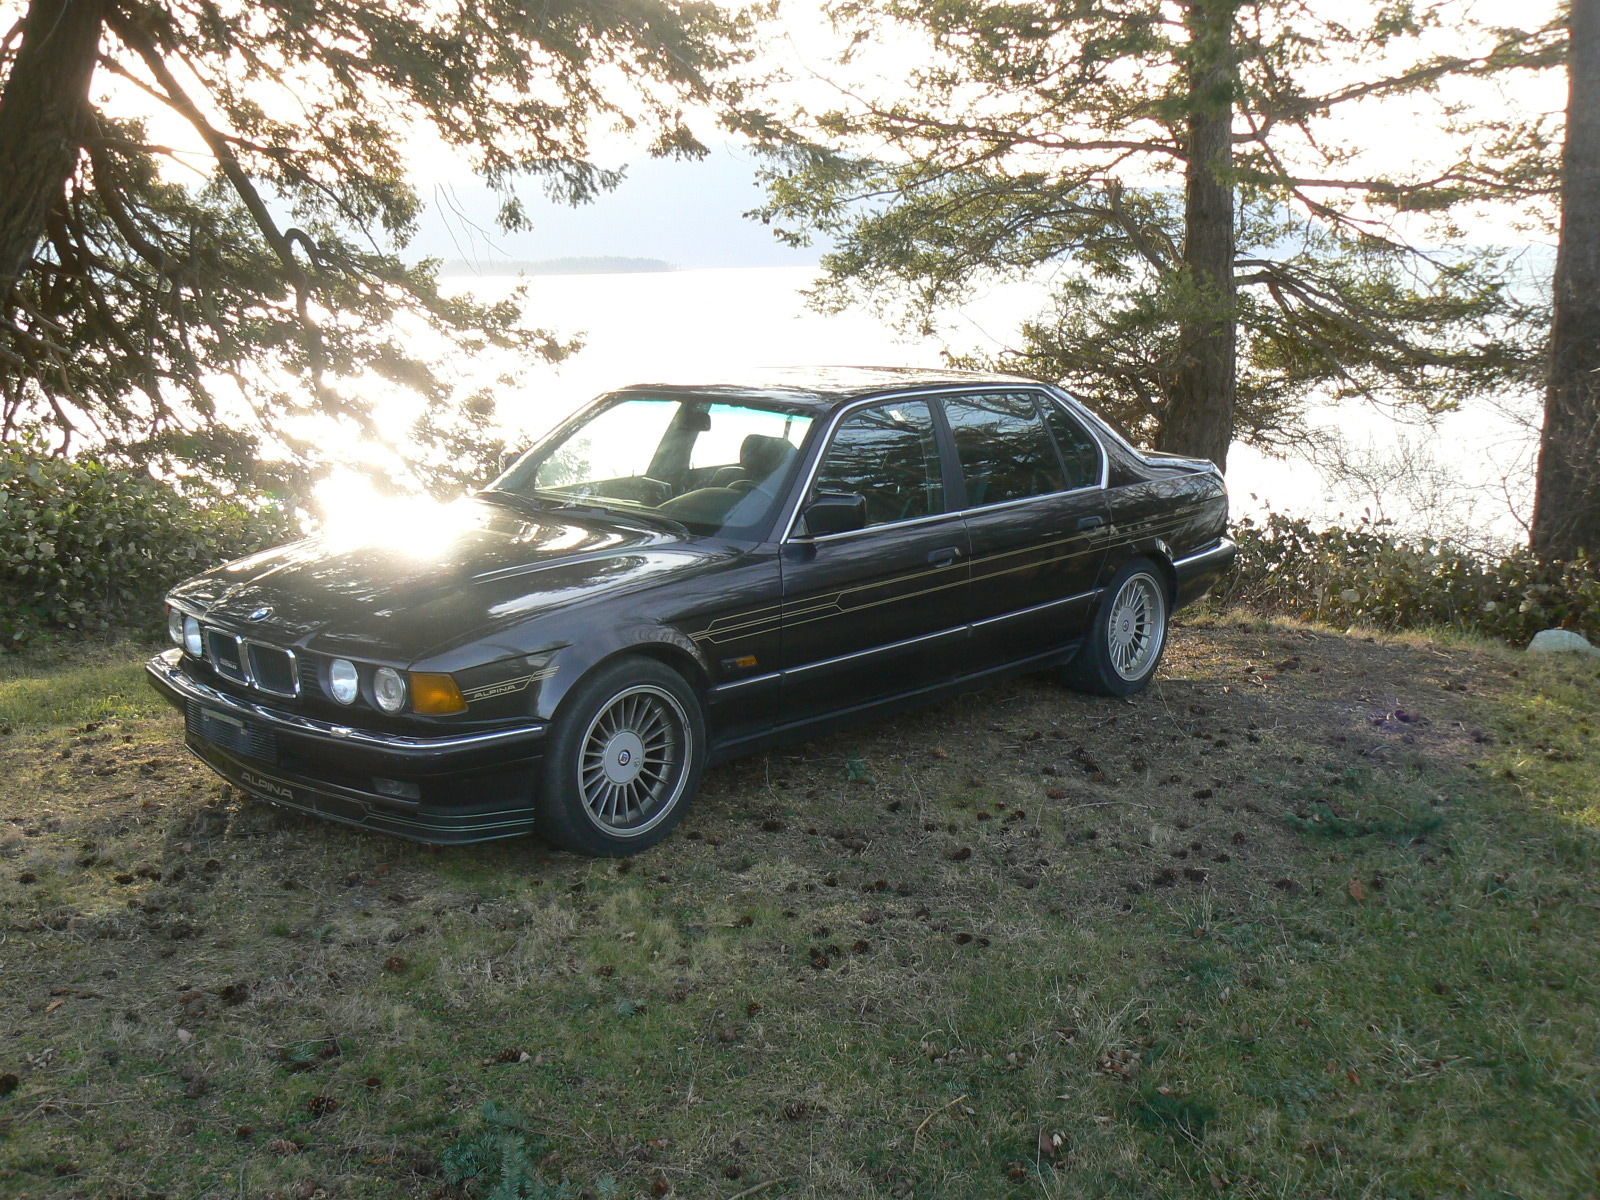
[854, 715]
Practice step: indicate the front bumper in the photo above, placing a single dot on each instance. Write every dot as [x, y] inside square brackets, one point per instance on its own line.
[467, 787]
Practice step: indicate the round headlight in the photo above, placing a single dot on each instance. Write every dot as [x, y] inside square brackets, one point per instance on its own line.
[390, 689]
[175, 626]
[343, 681]
[191, 637]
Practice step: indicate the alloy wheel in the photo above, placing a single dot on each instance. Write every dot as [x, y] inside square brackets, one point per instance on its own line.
[632, 762]
[1135, 626]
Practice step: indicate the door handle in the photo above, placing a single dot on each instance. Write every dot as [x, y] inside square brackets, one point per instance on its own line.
[944, 556]
[1092, 522]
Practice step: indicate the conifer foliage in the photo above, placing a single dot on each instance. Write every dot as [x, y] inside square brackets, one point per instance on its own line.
[199, 193]
[1194, 175]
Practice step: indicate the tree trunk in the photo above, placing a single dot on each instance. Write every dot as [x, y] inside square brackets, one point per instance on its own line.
[44, 112]
[1199, 416]
[1566, 511]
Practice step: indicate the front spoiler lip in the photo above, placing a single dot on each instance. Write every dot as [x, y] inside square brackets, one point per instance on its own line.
[168, 678]
[346, 806]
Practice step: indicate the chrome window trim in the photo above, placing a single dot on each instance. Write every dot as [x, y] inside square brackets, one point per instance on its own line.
[805, 540]
[1042, 391]
[1066, 405]
[1099, 429]
[983, 508]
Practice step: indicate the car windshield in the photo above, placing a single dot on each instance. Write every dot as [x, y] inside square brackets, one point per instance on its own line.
[718, 468]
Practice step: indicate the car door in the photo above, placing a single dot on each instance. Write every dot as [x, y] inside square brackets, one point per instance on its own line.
[1036, 514]
[877, 611]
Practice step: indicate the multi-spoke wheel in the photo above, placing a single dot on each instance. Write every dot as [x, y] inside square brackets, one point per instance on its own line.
[1124, 644]
[634, 760]
[623, 759]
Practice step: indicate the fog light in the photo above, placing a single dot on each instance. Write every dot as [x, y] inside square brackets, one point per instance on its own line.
[398, 788]
[436, 694]
[191, 638]
[343, 682]
[389, 689]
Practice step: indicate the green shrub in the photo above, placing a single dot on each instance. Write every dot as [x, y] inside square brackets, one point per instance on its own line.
[89, 547]
[1369, 576]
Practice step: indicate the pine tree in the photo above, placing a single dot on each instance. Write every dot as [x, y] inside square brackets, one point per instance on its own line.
[262, 248]
[1221, 248]
[1566, 517]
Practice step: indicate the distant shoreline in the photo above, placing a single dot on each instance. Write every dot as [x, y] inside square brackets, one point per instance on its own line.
[579, 265]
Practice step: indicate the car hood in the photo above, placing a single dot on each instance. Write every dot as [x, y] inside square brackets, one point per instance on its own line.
[403, 588]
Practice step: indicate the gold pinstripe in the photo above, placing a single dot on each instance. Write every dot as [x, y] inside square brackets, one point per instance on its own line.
[506, 687]
[754, 622]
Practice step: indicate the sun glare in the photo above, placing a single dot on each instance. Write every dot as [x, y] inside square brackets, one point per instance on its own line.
[352, 514]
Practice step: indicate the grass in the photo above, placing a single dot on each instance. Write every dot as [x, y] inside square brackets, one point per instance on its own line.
[98, 682]
[1250, 935]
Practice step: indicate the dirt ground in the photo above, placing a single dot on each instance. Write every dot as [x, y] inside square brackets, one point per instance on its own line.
[203, 996]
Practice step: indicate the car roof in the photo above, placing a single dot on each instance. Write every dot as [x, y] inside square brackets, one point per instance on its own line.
[822, 388]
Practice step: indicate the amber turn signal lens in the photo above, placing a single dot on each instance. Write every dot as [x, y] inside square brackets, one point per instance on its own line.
[436, 695]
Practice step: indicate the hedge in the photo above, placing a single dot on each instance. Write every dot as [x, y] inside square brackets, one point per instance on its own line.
[91, 547]
[1368, 576]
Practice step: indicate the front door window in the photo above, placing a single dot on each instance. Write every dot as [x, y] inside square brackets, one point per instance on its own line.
[890, 455]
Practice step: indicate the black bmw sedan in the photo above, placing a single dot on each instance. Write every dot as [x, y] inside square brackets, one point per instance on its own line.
[679, 574]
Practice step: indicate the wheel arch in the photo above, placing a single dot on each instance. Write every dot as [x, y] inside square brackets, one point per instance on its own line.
[681, 659]
[669, 654]
[1158, 553]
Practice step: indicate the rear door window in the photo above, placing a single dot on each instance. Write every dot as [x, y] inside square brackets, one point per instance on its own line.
[1080, 453]
[1005, 450]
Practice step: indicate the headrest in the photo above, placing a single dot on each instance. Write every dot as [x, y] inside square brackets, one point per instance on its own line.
[761, 456]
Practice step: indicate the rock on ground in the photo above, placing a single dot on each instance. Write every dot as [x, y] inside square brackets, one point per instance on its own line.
[1561, 641]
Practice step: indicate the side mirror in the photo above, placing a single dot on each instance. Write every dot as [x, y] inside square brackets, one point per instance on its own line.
[835, 512]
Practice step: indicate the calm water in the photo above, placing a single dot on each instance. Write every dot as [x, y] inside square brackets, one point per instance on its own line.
[1466, 476]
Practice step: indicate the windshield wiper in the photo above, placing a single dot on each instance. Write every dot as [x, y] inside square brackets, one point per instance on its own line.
[516, 500]
[644, 516]
[649, 516]
[546, 502]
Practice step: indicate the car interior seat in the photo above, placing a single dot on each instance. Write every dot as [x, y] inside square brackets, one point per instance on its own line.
[760, 458]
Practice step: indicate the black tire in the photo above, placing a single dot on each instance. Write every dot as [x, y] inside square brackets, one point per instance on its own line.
[1124, 644]
[623, 760]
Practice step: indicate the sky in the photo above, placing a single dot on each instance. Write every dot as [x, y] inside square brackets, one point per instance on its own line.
[693, 214]
[688, 214]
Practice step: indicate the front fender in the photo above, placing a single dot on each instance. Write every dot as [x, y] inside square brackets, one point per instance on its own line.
[574, 662]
